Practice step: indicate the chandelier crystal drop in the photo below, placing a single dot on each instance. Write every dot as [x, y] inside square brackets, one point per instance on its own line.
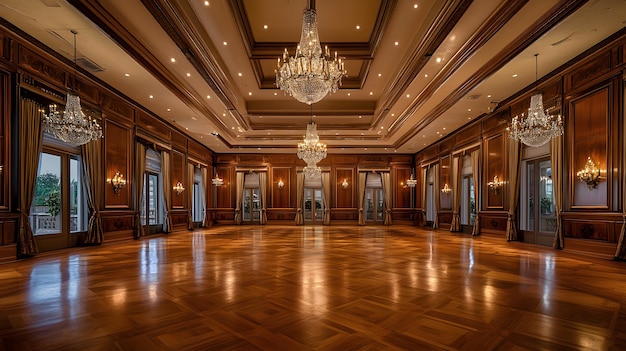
[311, 73]
[72, 127]
[311, 151]
[538, 127]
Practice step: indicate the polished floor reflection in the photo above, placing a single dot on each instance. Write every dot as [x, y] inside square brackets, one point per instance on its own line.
[313, 288]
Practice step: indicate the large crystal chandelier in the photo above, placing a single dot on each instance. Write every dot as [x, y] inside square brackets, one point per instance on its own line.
[311, 73]
[311, 151]
[72, 127]
[538, 127]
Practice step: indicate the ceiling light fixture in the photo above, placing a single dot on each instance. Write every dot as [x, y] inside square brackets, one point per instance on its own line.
[311, 150]
[72, 127]
[217, 181]
[311, 73]
[538, 127]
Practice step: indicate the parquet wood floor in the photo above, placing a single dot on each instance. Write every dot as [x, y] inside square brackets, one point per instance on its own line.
[313, 288]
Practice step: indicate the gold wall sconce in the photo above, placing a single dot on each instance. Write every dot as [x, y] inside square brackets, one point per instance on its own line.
[178, 188]
[411, 182]
[590, 174]
[217, 181]
[281, 184]
[446, 189]
[345, 184]
[496, 184]
[118, 182]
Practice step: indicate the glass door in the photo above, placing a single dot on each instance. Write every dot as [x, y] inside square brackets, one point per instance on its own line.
[251, 205]
[313, 206]
[374, 205]
[537, 211]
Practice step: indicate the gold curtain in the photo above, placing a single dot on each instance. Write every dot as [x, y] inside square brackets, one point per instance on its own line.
[30, 140]
[191, 169]
[240, 179]
[476, 174]
[205, 190]
[167, 190]
[556, 162]
[326, 191]
[457, 164]
[91, 169]
[299, 196]
[513, 188]
[263, 186]
[424, 194]
[436, 195]
[362, 180]
[385, 178]
[140, 159]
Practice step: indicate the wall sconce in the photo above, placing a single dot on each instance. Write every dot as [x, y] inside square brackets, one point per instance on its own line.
[590, 174]
[345, 184]
[496, 184]
[446, 189]
[281, 184]
[217, 181]
[179, 188]
[118, 182]
[411, 182]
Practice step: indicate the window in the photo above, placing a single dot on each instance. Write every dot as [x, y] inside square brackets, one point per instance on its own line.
[151, 194]
[46, 210]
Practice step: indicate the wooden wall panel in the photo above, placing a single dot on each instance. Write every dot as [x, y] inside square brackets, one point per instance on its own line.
[587, 230]
[445, 176]
[178, 171]
[344, 197]
[224, 194]
[118, 109]
[196, 150]
[179, 140]
[115, 222]
[41, 67]
[281, 196]
[343, 159]
[152, 127]
[403, 192]
[597, 66]
[5, 140]
[590, 123]
[495, 151]
[118, 141]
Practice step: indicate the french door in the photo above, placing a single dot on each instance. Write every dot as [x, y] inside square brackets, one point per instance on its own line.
[538, 216]
[374, 205]
[313, 206]
[251, 205]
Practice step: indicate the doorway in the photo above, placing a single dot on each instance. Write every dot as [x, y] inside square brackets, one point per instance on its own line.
[313, 206]
[251, 205]
[374, 205]
[537, 212]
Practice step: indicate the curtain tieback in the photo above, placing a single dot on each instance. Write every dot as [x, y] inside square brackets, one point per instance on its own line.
[360, 210]
[455, 213]
[387, 211]
[299, 210]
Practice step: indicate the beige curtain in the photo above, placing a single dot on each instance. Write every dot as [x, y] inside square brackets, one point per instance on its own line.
[205, 190]
[424, 194]
[241, 177]
[91, 169]
[556, 162]
[326, 191]
[457, 164]
[299, 196]
[436, 195]
[30, 140]
[476, 174]
[362, 180]
[263, 185]
[385, 178]
[191, 169]
[514, 185]
[140, 160]
[167, 190]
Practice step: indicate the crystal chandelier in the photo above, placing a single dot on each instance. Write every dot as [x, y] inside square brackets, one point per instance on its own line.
[538, 127]
[311, 151]
[72, 127]
[311, 73]
[217, 181]
[411, 182]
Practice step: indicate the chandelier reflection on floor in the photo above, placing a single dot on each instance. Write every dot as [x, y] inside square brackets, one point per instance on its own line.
[72, 127]
[311, 73]
[538, 127]
[311, 151]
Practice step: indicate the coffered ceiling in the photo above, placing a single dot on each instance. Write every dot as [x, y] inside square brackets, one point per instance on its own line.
[417, 69]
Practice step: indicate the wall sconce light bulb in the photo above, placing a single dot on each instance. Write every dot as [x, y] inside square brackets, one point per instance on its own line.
[118, 182]
[281, 184]
[179, 188]
[496, 184]
[345, 184]
[590, 174]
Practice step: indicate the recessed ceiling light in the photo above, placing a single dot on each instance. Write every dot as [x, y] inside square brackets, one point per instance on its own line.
[469, 117]
[380, 74]
[515, 75]
[172, 60]
[151, 96]
[258, 148]
[444, 128]
[206, 3]
[396, 43]
[239, 74]
[224, 115]
[186, 128]
[358, 27]
[424, 136]
[126, 75]
[194, 118]
[488, 96]
[382, 127]
[393, 115]
[225, 43]
[469, 110]
[408, 95]
[415, 6]
[169, 109]
[232, 127]
[438, 59]
[208, 96]
[275, 94]
[348, 94]
[249, 93]
[437, 132]
[361, 133]
[336, 133]
[371, 93]
[265, 26]
[360, 117]
[188, 74]
[365, 148]
[425, 75]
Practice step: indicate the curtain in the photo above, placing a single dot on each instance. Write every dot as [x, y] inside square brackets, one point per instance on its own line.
[299, 196]
[556, 162]
[205, 190]
[263, 186]
[476, 174]
[239, 189]
[424, 194]
[514, 185]
[91, 169]
[326, 191]
[191, 169]
[140, 159]
[457, 164]
[436, 194]
[30, 140]
[385, 178]
[362, 180]
[167, 190]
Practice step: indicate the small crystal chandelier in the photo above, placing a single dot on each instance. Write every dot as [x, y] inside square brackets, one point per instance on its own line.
[217, 181]
[311, 73]
[73, 127]
[311, 151]
[538, 127]
[411, 182]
